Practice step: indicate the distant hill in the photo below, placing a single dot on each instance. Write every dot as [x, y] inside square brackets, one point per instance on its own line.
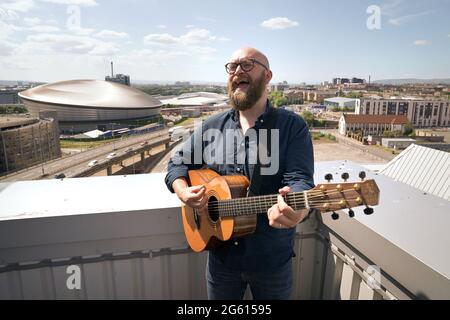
[412, 81]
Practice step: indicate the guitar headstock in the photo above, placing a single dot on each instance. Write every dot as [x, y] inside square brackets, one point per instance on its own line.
[329, 197]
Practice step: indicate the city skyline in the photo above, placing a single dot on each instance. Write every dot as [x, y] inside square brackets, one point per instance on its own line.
[166, 41]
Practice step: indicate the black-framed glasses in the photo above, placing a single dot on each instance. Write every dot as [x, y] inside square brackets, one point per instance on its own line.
[246, 65]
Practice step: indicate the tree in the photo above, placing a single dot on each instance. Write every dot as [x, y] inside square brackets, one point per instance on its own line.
[408, 129]
[277, 98]
[308, 117]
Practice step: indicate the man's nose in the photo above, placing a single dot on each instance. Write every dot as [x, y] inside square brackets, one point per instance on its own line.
[239, 70]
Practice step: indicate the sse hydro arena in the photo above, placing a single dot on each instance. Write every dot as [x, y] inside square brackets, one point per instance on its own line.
[83, 105]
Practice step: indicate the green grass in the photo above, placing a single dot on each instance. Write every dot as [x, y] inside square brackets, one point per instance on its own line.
[316, 136]
[68, 144]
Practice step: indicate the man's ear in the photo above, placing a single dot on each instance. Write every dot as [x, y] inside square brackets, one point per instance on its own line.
[268, 76]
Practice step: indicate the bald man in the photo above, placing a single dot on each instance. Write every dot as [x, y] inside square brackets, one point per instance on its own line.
[262, 260]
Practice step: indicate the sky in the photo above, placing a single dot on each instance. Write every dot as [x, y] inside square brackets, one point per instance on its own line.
[179, 40]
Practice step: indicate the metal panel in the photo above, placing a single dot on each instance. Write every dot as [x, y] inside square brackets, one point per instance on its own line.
[423, 168]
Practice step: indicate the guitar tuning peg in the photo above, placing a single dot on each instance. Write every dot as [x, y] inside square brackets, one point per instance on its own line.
[334, 216]
[328, 177]
[368, 210]
[362, 175]
[345, 176]
[351, 213]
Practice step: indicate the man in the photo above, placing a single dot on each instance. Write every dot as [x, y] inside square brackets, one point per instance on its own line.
[262, 260]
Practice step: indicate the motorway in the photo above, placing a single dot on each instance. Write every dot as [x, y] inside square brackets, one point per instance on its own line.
[70, 165]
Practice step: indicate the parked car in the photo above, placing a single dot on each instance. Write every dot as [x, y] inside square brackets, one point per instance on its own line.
[93, 163]
[111, 155]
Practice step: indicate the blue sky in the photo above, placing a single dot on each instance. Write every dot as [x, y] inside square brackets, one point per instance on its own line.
[175, 40]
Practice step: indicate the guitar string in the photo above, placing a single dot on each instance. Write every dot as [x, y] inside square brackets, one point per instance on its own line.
[253, 211]
[292, 198]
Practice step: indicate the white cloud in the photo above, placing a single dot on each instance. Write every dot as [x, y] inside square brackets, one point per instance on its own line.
[43, 28]
[406, 18]
[73, 44]
[105, 49]
[196, 36]
[224, 39]
[17, 5]
[6, 48]
[189, 26]
[87, 3]
[6, 30]
[81, 31]
[110, 34]
[160, 39]
[193, 37]
[161, 26]
[279, 23]
[32, 21]
[421, 42]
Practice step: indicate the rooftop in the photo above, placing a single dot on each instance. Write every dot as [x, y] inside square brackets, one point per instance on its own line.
[375, 119]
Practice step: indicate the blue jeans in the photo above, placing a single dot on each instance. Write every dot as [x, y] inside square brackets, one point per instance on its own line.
[226, 284]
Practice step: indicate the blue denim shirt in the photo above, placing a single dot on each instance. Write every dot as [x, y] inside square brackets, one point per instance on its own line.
[267, 248]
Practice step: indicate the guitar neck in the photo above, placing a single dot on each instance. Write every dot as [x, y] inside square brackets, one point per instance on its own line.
[325, 197]
[260, 204]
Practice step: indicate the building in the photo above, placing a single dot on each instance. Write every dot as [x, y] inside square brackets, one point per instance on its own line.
[342, 102]
[84, 105]
[9, 96]
[370, 124]
[119, 78]
[281, 86]
[357, 80]
[397, 143]
[202, 100]
[420, 112]
[25, 142]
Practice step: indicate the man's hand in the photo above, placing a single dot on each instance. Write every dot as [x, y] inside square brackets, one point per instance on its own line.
[193, 197]
[282, 216]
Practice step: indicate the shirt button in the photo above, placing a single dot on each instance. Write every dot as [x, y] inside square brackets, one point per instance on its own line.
[236, 243]
[238, 169]
[262, 120]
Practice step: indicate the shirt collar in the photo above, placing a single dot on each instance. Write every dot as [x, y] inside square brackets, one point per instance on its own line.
[262, 118]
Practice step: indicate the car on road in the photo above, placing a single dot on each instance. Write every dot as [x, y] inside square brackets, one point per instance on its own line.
[60, 176]
[128, 150]
[144, 143]
[111, 155]
[93, 163]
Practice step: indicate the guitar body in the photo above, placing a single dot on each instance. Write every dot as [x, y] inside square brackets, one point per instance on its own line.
[204, 229]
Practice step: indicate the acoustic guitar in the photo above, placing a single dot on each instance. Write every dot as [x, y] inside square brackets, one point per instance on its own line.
[230, 214]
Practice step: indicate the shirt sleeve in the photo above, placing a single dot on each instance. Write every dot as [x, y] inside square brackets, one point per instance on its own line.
[188, 157]
[299, 172]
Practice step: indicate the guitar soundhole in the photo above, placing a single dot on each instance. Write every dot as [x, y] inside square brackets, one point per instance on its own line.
[213, 209]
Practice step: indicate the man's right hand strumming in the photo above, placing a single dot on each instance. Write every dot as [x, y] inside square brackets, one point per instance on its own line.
[193, 197]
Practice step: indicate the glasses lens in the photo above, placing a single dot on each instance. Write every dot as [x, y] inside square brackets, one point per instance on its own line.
[247, 65]
[231, 67]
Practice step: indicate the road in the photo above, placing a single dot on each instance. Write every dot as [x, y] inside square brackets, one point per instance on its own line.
[80, 159]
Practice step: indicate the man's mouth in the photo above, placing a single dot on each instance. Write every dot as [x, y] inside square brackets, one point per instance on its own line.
[241, 84]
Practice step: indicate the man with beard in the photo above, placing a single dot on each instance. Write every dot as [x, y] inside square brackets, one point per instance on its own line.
[262, 260]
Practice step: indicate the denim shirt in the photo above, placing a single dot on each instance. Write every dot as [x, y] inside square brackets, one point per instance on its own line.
[267, 248]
